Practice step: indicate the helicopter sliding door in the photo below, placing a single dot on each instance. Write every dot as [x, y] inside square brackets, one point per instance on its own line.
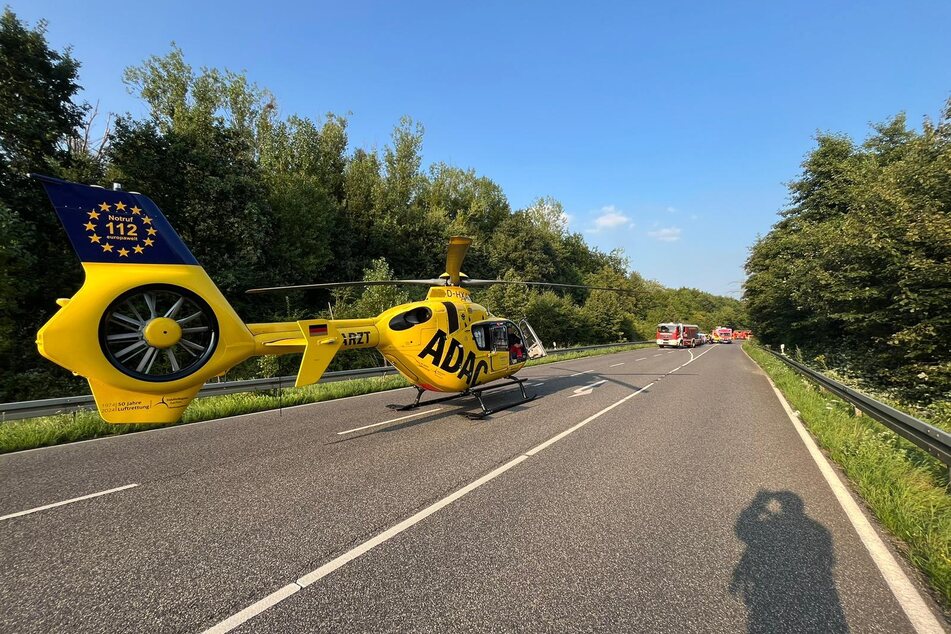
[505, 343]
[532, 342]
[499, 356]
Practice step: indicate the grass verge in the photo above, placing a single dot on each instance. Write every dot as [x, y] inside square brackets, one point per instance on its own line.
[906, 489]
[45, 431]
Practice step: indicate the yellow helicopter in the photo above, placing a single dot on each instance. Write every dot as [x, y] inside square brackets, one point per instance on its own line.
[149, 327]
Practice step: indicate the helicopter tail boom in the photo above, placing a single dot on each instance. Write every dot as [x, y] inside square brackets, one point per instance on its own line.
[318, 339]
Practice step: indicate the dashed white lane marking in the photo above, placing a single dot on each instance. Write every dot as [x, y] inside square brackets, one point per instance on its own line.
[644, 359]
[387, 422]
[905, 593]
[290, 589]
[614, 365]
[580, 373]
[69, 501]
[658, 354]
[587, 389]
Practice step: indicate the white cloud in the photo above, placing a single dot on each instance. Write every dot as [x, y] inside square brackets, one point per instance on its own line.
[611, 217]
[671, 210]
[667, 234]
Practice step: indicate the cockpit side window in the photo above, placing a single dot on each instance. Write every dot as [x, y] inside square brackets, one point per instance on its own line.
[500, 339]
[479, 335]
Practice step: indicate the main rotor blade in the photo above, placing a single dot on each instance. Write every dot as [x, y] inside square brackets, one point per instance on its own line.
[304, 287]
[469, 282]
[458, 245]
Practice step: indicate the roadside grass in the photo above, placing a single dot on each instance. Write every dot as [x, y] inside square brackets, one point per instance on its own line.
[44, 431]
[905, 488]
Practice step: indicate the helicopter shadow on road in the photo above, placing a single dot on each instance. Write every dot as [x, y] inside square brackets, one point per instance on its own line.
[785, 576]
[435, 416]
[613, 377]
[455, 409]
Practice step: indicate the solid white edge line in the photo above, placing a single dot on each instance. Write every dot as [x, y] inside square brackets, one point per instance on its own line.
[921, 618]
[69, 501]
[276, 597]
[386, 422]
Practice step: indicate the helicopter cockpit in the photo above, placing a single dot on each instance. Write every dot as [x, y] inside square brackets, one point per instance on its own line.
[499, 336]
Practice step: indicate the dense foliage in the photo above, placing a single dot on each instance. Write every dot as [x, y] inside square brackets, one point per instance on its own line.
[263, 199]
[859, 268]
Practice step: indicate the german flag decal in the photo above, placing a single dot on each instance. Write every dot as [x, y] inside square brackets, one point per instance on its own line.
[318, 330]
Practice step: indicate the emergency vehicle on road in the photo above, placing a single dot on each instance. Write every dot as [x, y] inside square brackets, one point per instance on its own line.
[677, 335]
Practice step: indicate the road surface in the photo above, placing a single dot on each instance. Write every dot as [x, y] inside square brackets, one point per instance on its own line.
[651, 490]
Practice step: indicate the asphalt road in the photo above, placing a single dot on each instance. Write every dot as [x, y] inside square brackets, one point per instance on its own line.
[684, 501]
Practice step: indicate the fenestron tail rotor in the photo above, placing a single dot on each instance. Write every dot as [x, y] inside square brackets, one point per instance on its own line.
[158, 332]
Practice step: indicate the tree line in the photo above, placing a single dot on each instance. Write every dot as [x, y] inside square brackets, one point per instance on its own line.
[858, 270]
[264, 199]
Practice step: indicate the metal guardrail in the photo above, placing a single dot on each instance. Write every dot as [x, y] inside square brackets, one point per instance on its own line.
[68, 404]
[932, 439]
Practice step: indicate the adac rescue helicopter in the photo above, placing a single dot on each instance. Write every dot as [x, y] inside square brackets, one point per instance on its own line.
[148, 326]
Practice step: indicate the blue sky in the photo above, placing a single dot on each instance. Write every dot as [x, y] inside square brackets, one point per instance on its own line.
[665, 129]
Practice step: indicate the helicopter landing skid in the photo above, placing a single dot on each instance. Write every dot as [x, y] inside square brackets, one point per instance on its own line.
[478, 395]
[419, 394]
[486, 411]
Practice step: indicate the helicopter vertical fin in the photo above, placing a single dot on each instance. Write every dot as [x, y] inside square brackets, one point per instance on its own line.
[323, 338]
[323, 342]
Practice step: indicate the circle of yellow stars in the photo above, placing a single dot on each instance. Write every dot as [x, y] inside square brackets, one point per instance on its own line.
[120, 207]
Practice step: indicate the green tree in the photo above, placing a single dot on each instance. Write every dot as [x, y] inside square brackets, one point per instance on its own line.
[37, 118]
[211, 193]
[859, 267]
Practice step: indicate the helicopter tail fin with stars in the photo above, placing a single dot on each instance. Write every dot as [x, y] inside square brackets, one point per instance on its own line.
[148, 327]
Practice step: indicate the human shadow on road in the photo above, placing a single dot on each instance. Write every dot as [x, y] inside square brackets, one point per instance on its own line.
[785, 575]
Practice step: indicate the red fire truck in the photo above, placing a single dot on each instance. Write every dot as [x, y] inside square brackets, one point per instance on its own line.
[677, 335]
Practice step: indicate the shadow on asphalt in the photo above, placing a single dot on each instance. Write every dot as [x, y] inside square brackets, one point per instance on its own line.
[785, 575]
[453, 408]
